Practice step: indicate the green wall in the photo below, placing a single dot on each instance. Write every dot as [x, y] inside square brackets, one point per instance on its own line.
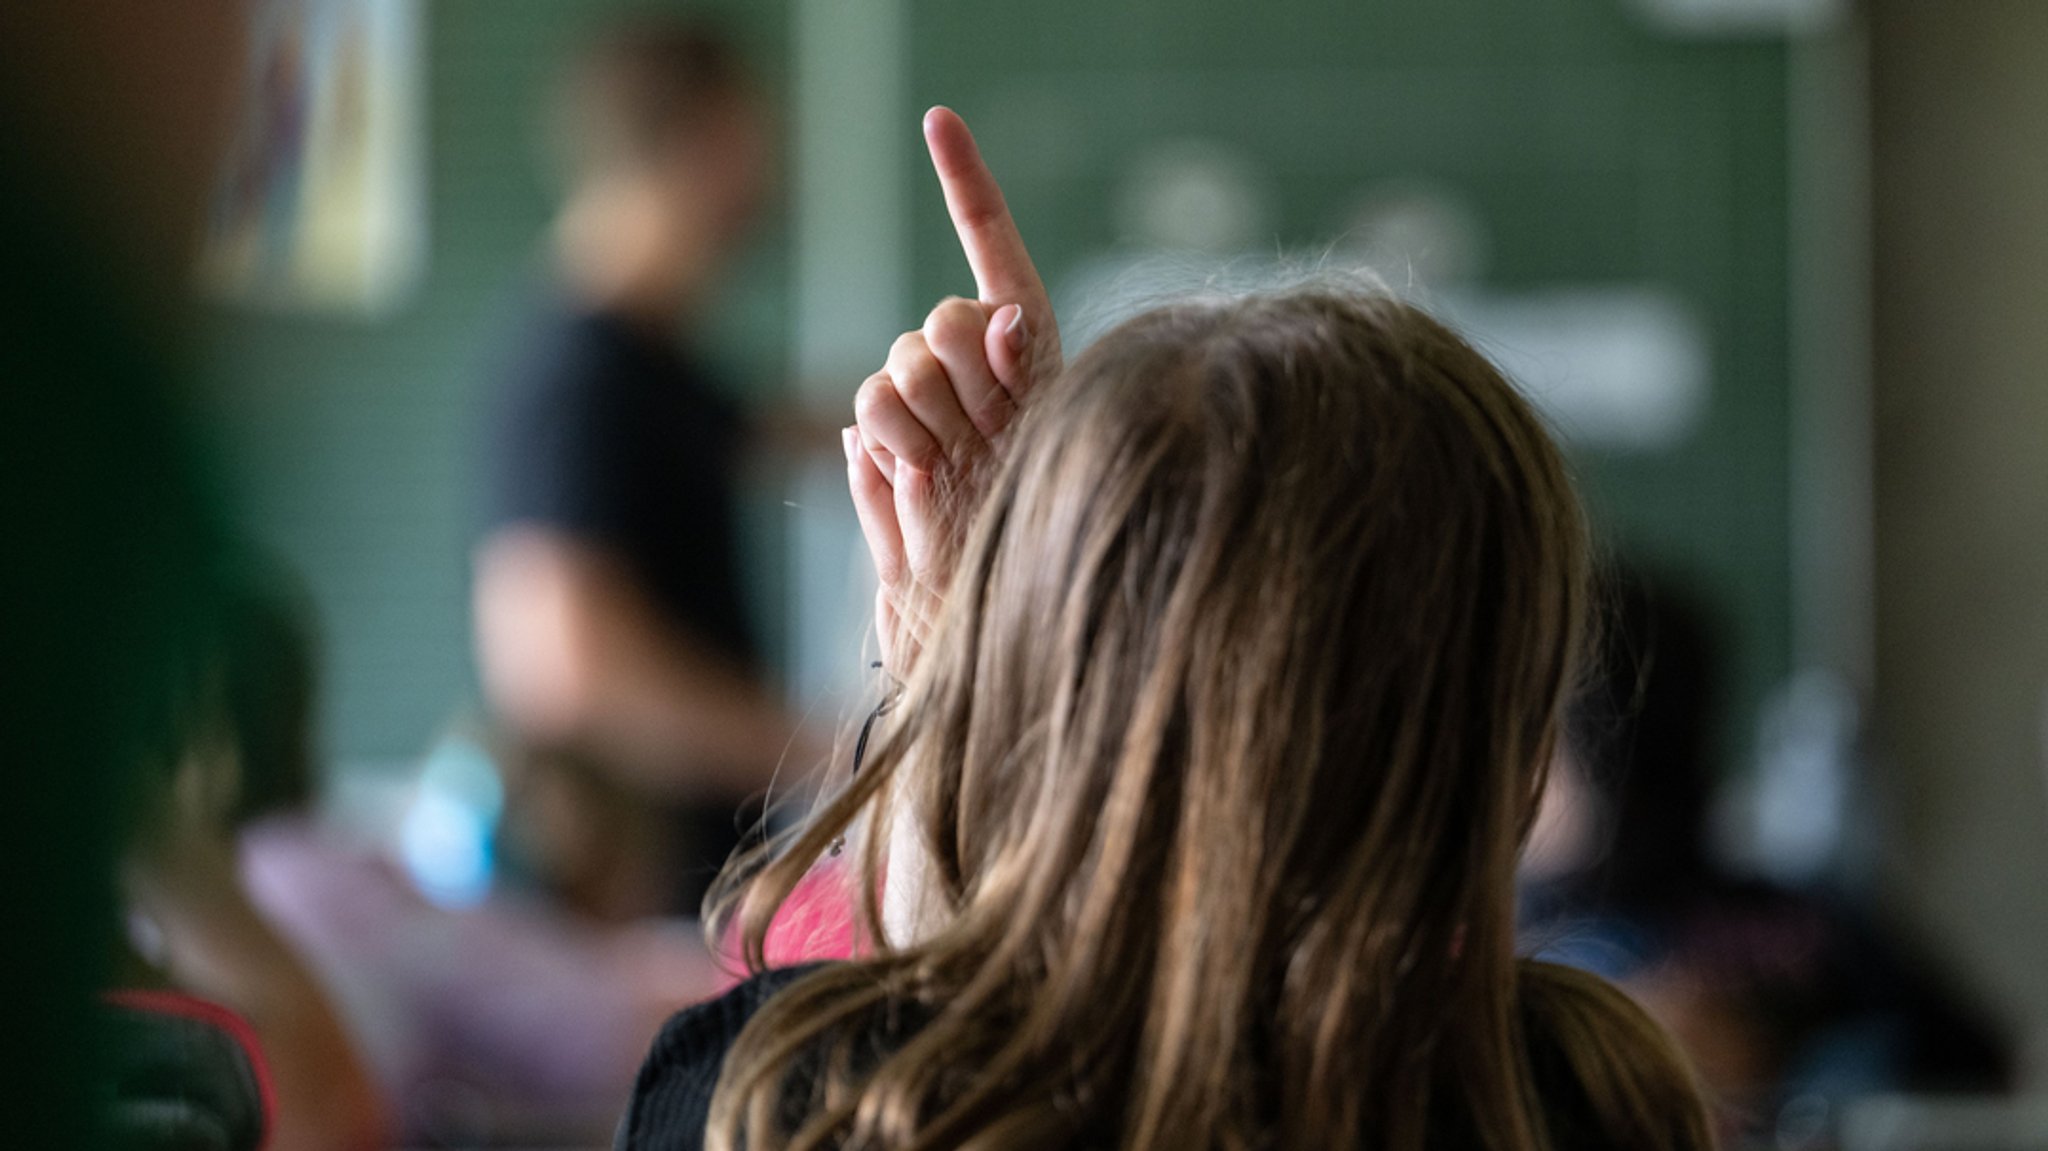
[1596, 151]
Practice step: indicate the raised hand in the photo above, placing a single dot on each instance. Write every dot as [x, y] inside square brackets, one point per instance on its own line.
[1003, 272]
[927, 422]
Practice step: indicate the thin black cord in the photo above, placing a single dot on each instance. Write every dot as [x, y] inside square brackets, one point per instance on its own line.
[860, 745]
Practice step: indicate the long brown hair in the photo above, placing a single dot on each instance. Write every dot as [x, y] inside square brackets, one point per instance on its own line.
[1219, 756]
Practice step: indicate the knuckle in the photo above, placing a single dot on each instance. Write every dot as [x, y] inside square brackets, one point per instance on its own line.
[955, 322]
[872, 396]
[922, 382]
[907, 345]
[980, 212]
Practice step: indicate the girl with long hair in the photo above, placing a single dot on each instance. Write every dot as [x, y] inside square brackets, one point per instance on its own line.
[1232, 655]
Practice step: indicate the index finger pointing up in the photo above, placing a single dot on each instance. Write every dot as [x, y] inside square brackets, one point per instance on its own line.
[1003, 273]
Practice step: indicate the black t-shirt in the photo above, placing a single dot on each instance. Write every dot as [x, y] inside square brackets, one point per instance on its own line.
[608, 433]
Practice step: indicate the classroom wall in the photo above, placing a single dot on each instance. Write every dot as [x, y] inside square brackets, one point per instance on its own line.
[1596, 148]
[1961, 420]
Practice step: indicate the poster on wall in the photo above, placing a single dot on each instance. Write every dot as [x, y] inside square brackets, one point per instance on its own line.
[321, 205]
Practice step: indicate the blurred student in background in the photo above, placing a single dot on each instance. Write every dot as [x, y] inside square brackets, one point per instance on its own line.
[106, 531]
[612, 628]
[195, 939]
[503, 1020]
[1791, 1001]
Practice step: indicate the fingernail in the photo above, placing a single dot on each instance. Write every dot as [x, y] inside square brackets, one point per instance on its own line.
[1013, 328]
[847, 439]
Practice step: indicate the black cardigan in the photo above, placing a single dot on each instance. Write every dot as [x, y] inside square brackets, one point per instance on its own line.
[672, 1095]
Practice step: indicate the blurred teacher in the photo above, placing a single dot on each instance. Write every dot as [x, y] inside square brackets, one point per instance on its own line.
[611, 625]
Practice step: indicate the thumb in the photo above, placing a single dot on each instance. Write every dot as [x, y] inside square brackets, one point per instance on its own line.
[1009, 350]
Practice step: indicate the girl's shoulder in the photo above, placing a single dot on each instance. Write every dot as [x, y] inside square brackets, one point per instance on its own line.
[672, 1095]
